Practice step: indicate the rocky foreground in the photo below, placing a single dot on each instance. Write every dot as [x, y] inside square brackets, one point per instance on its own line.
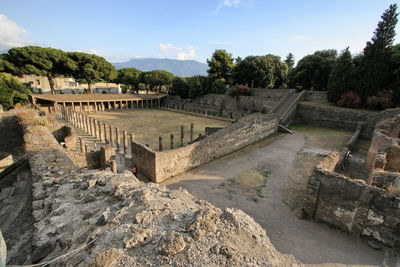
[97, 218]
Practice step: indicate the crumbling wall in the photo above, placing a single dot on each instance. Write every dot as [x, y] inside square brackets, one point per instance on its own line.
[162, 165]
[353, 206]
[384, 151]
[66, 134]
[331, 116]
[223, 105]
[244, 132]
[97, 218]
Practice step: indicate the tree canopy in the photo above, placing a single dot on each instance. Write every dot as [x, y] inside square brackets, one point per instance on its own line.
[261, 71]
[290, 61]
[41, 61]
[375, 71]
[221, 65]
[91, 67]
[129, 77]
[12, 90]
[312, 71]
[157, 78]
[341, 78]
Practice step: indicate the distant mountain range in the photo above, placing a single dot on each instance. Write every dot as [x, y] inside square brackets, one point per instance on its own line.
[183, 68]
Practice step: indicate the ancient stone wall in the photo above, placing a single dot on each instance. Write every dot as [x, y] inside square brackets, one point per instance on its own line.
[164, 164]
[317, 96]
[341, 118]
[145, 159]
[353, 206]
[97, 218]
[223, 105]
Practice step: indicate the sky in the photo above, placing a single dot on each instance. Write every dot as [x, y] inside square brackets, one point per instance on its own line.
[191, 29]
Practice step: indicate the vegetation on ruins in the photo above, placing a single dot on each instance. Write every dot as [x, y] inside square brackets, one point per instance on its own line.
[41, 61]
[12, 91]
[91, 67]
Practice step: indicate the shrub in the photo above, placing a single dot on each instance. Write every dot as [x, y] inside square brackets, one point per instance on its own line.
[12, 91]
[240, 90]
[382, 101]
[349, 100]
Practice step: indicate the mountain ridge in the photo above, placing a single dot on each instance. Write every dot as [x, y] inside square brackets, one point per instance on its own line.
[183, 68]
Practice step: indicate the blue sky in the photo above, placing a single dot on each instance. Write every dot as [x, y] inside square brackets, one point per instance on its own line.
[190, 29]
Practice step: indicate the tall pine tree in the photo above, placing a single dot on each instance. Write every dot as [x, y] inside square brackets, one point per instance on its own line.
[375, 70]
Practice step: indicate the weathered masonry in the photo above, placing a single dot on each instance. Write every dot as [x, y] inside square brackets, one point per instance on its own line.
[161, 165]
[96, 102]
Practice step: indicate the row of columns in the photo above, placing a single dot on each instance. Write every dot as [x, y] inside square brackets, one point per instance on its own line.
[160, 139]
[116, 105]
[101, 131]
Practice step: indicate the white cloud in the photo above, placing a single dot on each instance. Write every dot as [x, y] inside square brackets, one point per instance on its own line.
[90, 51]
[10, 33]
[227, 3]
[178, 52]
[297, 37]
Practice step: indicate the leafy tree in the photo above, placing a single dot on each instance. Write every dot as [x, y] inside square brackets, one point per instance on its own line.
[158, 78]
[375, 70]
[92, 67]
[312, 71]
[179, 87]
[130, 77]
[290, 61]
[217, 86]
[6, 66]
[221, 65]
[341, 78]
[41, 61]
[197, 86]
[12, 91]
[263, 71]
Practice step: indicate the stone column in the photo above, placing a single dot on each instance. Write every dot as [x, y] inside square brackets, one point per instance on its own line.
[105, 134]
[160, 143]
[84, 123]
[114, 166]
[95, 129]
[115, 105]
[132, 104]
[102, 106]
[87, 148]
[125, 138]
[191, 132]
[182, 135]
[80, 105]
[158, 102]
[120, 105]
[117, 138]
[88, 107]
[90, 126]
[172, 141]
[127, 105]
[111, 136]
[95, 106]
[109, 106]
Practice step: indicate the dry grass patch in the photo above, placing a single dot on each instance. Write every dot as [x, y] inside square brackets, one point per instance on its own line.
[147, 125]
[248, 183]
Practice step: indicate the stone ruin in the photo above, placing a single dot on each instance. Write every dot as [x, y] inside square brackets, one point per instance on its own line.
[92, 217]
[368, 207]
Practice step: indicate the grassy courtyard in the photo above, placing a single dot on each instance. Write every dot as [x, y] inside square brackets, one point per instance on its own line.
[147, 125]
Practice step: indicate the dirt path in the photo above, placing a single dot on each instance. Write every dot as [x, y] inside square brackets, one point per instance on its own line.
[310, 242]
